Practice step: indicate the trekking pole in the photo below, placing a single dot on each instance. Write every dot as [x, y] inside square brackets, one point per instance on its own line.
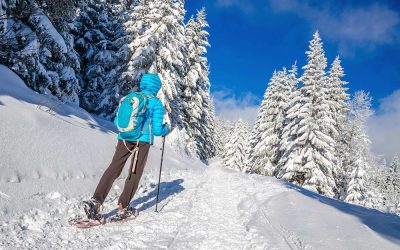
[159, 176]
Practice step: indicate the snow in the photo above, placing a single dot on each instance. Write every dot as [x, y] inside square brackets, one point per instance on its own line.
[50, 162]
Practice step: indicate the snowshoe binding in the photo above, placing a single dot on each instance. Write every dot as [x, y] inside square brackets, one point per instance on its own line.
[124, 215]
[92, 210]
[93, 213]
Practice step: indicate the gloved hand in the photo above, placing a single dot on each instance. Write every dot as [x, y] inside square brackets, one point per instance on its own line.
[167, 128]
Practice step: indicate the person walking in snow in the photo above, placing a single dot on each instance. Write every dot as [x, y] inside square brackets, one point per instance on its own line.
[153, 116]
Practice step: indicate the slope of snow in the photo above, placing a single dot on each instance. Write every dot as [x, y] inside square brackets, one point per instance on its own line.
[51, 161]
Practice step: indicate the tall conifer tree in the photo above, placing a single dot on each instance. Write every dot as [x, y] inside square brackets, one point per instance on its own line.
[236, 147]
[269, 126]
[357, 154]
[197, 104]
[310, 160]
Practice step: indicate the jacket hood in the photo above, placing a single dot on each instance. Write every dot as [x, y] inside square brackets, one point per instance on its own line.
[150, 83]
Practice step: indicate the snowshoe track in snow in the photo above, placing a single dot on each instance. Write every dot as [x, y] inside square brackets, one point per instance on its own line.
[212, 218]
[264, 233]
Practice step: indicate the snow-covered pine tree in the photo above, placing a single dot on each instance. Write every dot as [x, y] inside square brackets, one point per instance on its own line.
[311, 160]
[337, 96]
[392, 187]
[290, 122]
[197, 104]
[292, 80]
[269, 125]
[60, 12]
[357, 154]
[356, 189]
[222, 135]
[101, 40]
[160, 46]
[396, 184]
[376, 181]
[256, 134]
[235, 149]
[36, 51]
[338, 104]
[395, 165]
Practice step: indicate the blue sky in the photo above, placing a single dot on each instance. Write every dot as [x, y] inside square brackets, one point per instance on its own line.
[250, 39]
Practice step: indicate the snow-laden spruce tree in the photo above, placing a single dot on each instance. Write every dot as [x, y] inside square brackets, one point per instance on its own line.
[376, 183]
[310, 161]
[235, 149]
[256, 134]
[356, 188]
[337, 93]
[338, 103]
[160, 46]
[101, 40]
[290, 122]
[36, 51]
[264, 152]
[60, 12]
[356, 158]
[395, 165]
[392, 187]
[255, 149]
[197, 104]
[222, 135]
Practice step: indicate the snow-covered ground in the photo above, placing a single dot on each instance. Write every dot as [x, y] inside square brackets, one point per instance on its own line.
[50, 162]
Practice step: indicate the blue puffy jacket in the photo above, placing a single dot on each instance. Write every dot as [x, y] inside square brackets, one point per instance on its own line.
[150, 84]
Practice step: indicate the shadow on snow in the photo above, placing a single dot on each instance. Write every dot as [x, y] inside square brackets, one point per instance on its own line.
[167, 190]
[387, 225]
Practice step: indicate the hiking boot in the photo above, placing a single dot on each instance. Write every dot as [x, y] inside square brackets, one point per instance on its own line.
[92, 209]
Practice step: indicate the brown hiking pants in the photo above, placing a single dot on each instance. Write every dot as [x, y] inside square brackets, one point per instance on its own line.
[114, 171]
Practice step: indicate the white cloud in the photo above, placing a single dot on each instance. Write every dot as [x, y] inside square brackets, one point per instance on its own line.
[231, 107]
[384, 126]
[351, 27]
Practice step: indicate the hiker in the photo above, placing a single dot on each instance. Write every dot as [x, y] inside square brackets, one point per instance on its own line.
[152, 126]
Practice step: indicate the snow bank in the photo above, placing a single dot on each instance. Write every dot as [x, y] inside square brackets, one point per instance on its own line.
[328, 223]
[36, 144]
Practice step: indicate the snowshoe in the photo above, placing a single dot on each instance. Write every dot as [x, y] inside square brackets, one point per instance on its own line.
[92, 210]
[124, 215]
[80, 222]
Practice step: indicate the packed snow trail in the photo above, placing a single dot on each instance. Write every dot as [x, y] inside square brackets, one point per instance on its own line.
[213, 214]
[50, 163]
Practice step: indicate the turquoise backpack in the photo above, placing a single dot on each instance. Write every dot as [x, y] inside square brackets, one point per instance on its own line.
[130, 119]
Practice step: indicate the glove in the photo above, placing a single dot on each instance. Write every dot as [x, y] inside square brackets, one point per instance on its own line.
[167, 128]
